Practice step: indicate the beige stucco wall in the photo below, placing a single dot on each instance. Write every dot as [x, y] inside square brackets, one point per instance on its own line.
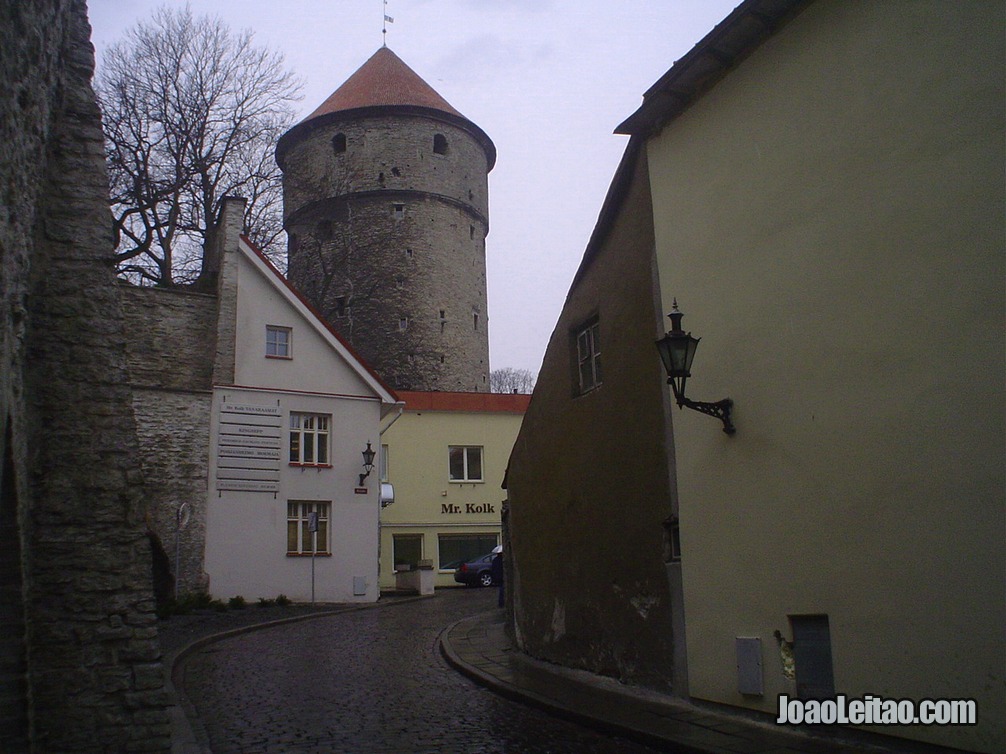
[830, 218]
[426, 502]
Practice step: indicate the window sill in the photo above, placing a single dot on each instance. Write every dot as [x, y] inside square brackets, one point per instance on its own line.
[308, 554]
[466, 481]
[311, 465]
[281, 358]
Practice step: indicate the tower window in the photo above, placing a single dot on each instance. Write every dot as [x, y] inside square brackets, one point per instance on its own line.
[339, 143]
[341, 306]
[403, 323]
[475, 322]
[439, 144]
[471, 232]
[408, 253]
[398, 211]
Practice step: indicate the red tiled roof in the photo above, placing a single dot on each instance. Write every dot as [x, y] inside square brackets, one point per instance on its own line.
[384, 80]
[509, 403]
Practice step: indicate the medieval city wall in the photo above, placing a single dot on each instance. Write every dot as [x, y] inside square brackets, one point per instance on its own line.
[171, 337]
[82, 667]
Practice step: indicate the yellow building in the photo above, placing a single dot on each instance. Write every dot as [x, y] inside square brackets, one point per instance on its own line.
[828, 208]
[445, 457]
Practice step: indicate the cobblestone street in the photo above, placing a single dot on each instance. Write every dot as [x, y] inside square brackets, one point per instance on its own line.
[367, 681]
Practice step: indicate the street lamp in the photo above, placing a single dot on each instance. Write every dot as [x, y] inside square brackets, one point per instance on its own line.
[368, 462]
[677, 350]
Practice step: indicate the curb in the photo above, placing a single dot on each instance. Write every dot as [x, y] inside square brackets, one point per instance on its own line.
[551, 706]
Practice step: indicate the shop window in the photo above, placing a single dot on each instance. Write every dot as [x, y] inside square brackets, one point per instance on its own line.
[408, 549]
[455, 549]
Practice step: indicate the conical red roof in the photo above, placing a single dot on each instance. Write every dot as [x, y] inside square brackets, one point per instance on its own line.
[384, 80]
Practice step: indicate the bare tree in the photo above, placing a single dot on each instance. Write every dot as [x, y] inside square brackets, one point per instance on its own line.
[191, 114]
[509, 380]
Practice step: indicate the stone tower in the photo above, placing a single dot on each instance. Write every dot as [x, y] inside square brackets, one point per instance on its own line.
[386, 203]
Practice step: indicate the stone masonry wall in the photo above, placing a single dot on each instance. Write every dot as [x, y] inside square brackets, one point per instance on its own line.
[387, 239]
[171, 337]
[91, 678]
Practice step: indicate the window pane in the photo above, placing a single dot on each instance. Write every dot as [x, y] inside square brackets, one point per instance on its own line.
[322, 536]
[322, 448]
[408, 549]
[295, 447]
[460, 548]
[291, 536]
[474, 463]
[457, 463]
[308, 448]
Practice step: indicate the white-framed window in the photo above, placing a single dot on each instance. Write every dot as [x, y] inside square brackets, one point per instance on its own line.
[383, 461]
[277, 342]
[588, 356]
[307, 528]
[309, 439]
[465, 463]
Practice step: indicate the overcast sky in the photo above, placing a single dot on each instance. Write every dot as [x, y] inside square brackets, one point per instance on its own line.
[548, 80]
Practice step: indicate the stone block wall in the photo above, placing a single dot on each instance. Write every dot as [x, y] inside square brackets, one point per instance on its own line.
[387, 239]
[171, 345]
[82, 667]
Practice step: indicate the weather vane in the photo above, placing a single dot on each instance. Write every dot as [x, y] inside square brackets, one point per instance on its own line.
[387, 20]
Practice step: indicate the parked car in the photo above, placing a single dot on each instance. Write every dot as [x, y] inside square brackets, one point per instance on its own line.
[477, 572]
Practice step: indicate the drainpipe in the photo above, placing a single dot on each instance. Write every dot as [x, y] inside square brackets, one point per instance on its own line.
[401, 407]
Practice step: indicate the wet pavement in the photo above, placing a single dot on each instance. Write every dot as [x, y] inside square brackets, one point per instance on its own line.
[366, 680]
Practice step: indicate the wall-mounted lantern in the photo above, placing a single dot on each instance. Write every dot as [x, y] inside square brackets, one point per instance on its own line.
[677, 349]
[368, 462]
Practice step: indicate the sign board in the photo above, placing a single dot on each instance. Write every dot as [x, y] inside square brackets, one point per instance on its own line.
[312, 521]
[249, 447]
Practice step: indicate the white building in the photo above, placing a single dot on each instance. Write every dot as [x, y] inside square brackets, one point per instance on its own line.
[287, 512]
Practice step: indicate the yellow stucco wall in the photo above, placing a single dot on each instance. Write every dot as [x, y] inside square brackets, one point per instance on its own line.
[830, 218]
[427, 503]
